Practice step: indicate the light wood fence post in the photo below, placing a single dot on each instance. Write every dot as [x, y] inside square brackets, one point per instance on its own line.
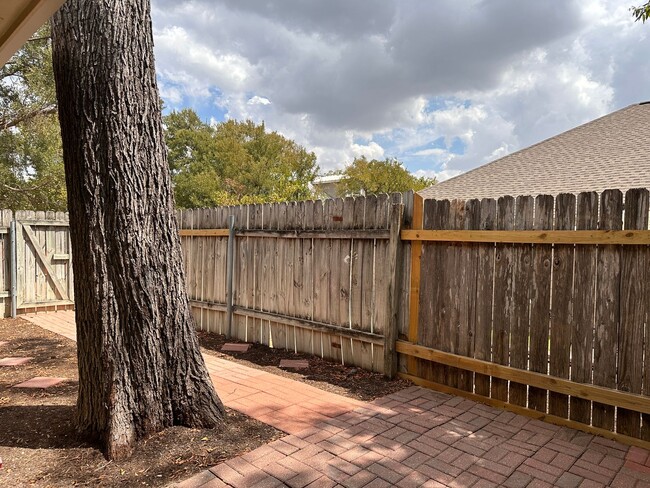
[414, 296]
[394, 273]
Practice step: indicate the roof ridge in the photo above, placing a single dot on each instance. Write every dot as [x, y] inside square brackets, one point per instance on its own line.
[507, 156]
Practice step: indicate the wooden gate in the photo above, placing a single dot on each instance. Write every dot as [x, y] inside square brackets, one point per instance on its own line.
[43, 261]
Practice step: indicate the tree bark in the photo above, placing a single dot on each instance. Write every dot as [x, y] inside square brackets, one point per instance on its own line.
[140, 368]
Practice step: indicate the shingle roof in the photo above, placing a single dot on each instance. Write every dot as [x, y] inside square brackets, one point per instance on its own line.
[610, 152]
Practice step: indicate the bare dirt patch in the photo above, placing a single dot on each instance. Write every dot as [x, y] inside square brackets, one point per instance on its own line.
[348, 381]
[39, 446]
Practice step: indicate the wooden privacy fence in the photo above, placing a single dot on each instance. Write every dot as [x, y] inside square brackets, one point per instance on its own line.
[312, 276]
[536, 304]
[35, 262]
[539, 305]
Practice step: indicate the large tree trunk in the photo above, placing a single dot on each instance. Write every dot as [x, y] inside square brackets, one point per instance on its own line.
[140, 369]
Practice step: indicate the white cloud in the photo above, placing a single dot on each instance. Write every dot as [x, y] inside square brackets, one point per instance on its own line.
[371, 150]
[436, 151]
[389, 78]
[256, 100]
[445, 174]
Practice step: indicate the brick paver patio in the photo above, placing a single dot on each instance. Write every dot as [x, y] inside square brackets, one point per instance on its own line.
[286, 404]
[415, 437]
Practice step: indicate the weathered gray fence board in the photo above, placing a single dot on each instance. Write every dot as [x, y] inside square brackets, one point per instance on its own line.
[6, 217]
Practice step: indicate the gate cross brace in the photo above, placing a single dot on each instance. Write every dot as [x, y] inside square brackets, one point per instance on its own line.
[62, 295]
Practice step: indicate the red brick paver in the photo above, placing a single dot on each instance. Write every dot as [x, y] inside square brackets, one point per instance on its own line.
[14, 361]
[235, 347]
[294, 363]
[415, 437]
[40, 382]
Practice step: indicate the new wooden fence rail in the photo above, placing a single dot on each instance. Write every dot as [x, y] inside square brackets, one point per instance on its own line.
[536, 304]
[590, 237]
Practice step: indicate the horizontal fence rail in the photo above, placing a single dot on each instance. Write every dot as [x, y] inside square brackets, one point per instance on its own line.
[290, 234]
[600, 237]
[539, 380]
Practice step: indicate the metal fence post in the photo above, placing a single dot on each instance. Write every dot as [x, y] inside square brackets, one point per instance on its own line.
[230, 259]
[14, 264]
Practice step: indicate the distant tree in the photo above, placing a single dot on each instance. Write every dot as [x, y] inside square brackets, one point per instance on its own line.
[373, 176]
[234, 162]
[642, 12]
[31, 162]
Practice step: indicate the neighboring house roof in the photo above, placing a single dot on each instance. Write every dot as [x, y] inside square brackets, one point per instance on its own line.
[610, 152]
[328, 185]
[19, 19]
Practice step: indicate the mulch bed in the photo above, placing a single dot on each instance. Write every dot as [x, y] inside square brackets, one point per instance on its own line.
[349, 381]
[39, 446]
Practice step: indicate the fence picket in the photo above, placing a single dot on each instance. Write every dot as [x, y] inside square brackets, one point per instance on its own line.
[540, 301]
[431, 332]
[523, 271]
[381, 280]
[279, 331]
[607, 306]
[320, 259]
[334, 217]
[484, 295]
[634, 290]
[503, 306]
[562, 303]
[467, 258]
[345, 318]
[583, 306]
[307, 289]
[5, 264]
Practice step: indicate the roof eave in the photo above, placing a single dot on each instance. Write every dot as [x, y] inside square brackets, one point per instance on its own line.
[20, 27]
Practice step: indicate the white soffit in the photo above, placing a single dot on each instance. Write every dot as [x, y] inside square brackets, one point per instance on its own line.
[19, 19]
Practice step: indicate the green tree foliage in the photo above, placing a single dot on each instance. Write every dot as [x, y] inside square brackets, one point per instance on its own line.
[31, 163]
[234, 162]
[641, 13]
[365, 176]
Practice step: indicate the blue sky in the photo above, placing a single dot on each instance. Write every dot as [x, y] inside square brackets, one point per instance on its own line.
[442, 86]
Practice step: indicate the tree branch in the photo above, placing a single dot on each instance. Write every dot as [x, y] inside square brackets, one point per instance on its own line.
[26, 190]
[44, 38]
[25, 116]
[641, 13]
